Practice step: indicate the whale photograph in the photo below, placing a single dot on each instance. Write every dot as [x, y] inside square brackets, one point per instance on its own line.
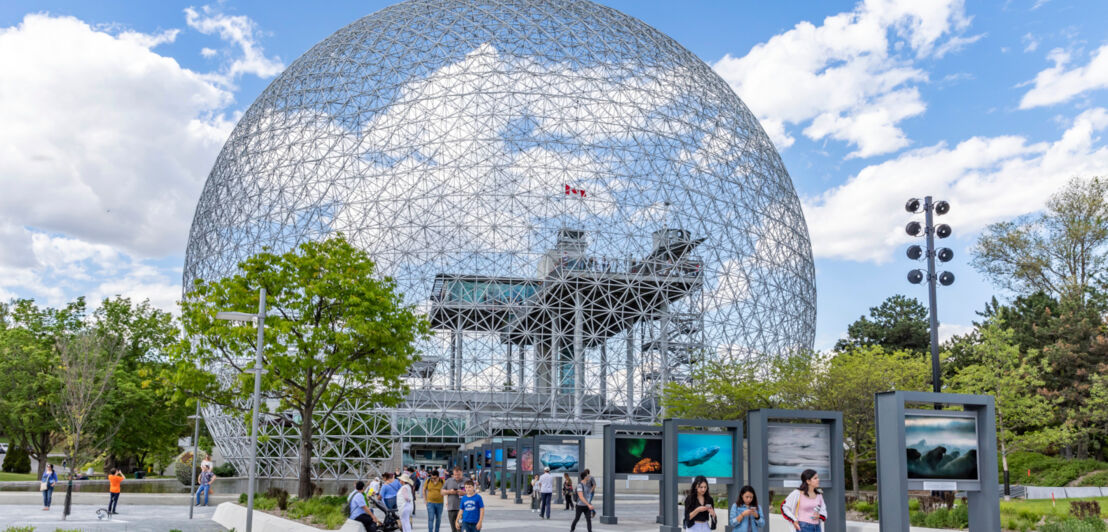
[940, 448]
[792, 448]
[699, 453]
[559, 457]
[638, 456]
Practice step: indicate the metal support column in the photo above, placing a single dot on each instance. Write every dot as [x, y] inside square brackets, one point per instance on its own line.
[578, 357]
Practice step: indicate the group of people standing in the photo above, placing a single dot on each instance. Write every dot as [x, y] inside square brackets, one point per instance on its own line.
[804, 508]
[577, 496]
[49, 481]
[465, 509]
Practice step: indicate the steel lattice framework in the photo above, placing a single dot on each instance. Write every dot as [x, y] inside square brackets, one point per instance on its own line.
[581, 206]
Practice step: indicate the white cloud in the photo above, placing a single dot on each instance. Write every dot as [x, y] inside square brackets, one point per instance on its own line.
[986, 179]
[1032, 43]
[104, 148]
[208, 52]
[852, 77]
[950, 330]
[1058, 84]
[239, 31]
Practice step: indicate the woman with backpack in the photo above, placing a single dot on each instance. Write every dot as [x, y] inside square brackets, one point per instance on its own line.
[804, 508]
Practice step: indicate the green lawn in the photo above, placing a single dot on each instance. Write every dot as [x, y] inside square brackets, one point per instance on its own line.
[17, 476]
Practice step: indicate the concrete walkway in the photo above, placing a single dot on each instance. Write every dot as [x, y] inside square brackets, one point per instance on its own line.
[146, 518]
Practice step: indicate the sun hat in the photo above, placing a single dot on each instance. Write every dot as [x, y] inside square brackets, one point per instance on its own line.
[406, 479]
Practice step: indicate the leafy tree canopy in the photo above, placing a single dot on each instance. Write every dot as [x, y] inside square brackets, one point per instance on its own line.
[898, 324]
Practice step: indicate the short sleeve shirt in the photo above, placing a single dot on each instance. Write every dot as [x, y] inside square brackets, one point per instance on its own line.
[585, 490]
[453, 501]
[471, 508]
[433, 490]
[357, 505]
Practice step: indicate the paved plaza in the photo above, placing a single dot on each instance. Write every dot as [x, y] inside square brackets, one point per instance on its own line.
[135, 518]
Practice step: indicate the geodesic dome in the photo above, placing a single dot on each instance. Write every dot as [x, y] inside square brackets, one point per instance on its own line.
[584, 209]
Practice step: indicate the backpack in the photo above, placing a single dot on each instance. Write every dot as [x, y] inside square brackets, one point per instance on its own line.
[346, 509]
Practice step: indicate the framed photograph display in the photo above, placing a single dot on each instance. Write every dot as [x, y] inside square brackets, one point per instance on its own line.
[705, 453]
[560, 458]
[941, 445]
[794, 447]
[638, 455]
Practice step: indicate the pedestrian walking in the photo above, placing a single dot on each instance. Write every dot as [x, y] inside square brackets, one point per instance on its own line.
[584, 507]
[454, 488]
[359, 509]
[745, 514]
[46, 486]
[115, 485]
[432, 493]
[374, 487]
[389, 488]
[592, 489]
[534, 494]
[700, 509]
[473, 509]
[804, 508]
[205, 480]
[405, 501]
[567, 491]
[546, 490]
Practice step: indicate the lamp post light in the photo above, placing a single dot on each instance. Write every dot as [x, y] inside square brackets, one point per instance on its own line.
[929, 231]
[257, 370]
[195, 452]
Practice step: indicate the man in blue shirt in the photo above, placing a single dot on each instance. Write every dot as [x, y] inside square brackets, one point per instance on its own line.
[359, 510]
[472, 515]
[389, 488]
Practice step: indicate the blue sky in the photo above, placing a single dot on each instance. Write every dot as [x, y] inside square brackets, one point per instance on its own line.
[113, 113]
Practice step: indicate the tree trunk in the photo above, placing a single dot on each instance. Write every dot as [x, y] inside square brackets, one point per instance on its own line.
[39, 449]
[854, 469]
[304, 486]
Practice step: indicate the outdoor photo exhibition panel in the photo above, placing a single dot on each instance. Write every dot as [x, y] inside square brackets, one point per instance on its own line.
[782, 447]
[505, 459]
[631, 452]
[692, 447]
[525, 456]
[936, 450]
[562, 454]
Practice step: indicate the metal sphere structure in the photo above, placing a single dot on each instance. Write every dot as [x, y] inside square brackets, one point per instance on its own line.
[582, 207]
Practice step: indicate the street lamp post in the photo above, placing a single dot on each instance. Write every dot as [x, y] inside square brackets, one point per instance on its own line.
[195, 452]
[929, 230]
[257, 370]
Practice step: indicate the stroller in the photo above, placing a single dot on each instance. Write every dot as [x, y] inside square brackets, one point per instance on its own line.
[391, 522]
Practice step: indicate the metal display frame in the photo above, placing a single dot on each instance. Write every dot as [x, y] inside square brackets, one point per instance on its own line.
[520, 444]
[559, 440]
[834, 493]
[608, 507]
[503, 469]
[670, 429]
[983, 495]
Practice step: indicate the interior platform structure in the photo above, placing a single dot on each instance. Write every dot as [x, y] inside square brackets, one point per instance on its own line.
[559, 334]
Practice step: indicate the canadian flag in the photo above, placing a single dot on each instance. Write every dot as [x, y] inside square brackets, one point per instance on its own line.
[570, 191]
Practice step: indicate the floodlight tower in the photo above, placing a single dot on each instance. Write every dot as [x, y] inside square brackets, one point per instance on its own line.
[929, 230]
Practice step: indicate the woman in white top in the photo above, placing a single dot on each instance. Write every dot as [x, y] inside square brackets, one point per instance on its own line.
[405, 503]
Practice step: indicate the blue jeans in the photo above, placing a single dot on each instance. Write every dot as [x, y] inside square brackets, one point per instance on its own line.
[544, 507]
[469, 527]
[434, 516]
[810, 527]
[47, 495]
[390, 503]
[205, 489]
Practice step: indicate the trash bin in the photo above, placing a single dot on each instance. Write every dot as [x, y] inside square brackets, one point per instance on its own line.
[140, 474]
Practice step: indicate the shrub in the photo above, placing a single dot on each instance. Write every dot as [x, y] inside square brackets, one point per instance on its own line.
[20, 529]
[242, 498]
[1098, 479]
[279, 495]
[1048, 470]
[225, 470]
[868, 509]
[182, 469]
[1083, 509]
[16, 461]
[1070, 524]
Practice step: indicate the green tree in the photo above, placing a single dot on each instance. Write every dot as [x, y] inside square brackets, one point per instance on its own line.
[729, 391]
[848, 384]
[141, 408]
[333, 333]
[29, 382]
[1023, 417]
[898, 324]
[1060, 252]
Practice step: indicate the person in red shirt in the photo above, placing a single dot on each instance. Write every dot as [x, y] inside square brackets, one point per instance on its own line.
[115, 480]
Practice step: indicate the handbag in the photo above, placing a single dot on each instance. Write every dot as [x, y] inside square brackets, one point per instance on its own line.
[42, 486]
[712, 523]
